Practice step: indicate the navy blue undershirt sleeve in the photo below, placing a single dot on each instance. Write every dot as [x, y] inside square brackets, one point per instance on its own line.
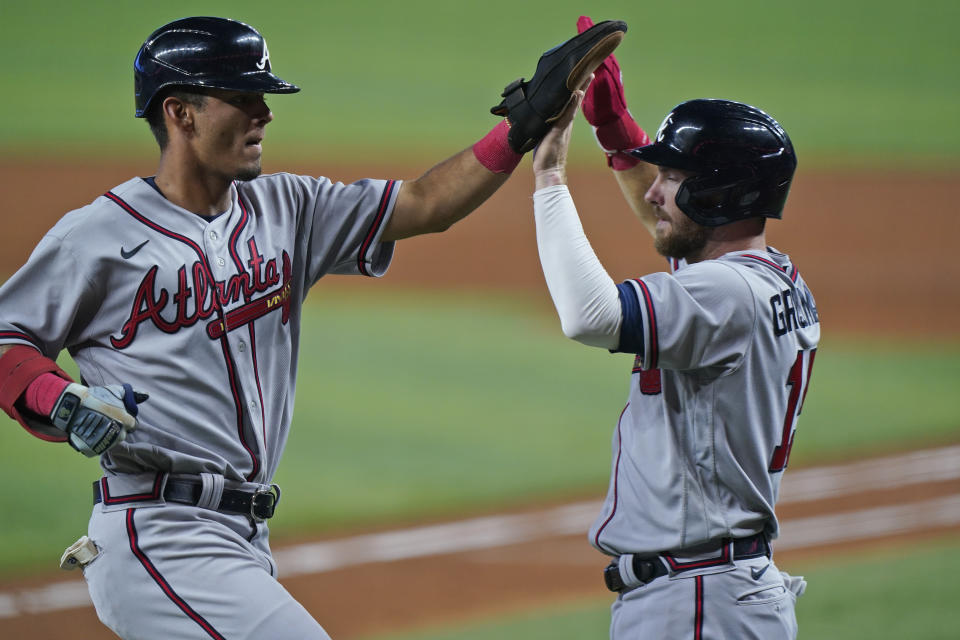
[631, 328]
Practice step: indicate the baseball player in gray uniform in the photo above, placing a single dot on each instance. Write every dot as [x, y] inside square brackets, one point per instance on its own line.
[724, 345]
[179, 297]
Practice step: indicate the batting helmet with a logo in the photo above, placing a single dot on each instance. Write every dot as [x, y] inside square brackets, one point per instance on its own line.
[204, 52]
[742, 160]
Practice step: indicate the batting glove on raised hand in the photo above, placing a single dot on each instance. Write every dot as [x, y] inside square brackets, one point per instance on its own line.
[605, 108]
[96, 418]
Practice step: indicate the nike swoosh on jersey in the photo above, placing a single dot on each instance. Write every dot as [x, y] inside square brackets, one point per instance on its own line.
[126, 255]
[758, 573]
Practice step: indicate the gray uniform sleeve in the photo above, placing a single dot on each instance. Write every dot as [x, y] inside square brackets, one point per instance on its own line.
[345, 227]
[702, 317]
[48, 301]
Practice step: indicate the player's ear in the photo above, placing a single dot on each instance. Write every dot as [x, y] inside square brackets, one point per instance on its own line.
[178, 113]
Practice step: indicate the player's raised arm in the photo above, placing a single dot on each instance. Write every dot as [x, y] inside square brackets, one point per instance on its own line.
[605, 108]
[455, 187]
[585, 296]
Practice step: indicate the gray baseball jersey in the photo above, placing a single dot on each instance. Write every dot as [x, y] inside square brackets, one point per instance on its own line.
[724, 353]
[204, 315]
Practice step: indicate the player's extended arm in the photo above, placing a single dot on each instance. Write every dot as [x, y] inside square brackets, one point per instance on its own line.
[586, 298]
[605, 108]
[455, 187]
[442, 196]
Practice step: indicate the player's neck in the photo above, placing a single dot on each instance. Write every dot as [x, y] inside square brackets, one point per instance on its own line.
[739, 236]
[193, 189]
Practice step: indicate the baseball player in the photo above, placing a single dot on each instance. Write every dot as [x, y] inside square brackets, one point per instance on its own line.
[724, 347]
[179, 297]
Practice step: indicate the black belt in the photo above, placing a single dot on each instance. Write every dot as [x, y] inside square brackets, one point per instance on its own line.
[648, 569]
[259, 505]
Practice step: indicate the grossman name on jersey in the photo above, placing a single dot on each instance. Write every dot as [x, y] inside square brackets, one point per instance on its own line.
[792, 309]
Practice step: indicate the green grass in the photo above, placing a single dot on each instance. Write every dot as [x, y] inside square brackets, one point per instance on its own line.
[853, 82]
[589, 620]
[903, 593]
[869, 396]
[881, 596]
[424, 403]
[414, 405]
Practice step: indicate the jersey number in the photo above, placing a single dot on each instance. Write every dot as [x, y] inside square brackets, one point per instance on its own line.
[798, 383]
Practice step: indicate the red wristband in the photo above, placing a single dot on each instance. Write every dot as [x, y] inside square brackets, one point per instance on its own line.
[20, 366]
[494, 152]
[621, 161]
[619, 136]
[42, 394]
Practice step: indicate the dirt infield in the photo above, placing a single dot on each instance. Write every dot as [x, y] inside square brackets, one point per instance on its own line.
[876, 249]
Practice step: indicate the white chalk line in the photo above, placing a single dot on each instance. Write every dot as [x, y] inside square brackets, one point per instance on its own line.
[494, 531]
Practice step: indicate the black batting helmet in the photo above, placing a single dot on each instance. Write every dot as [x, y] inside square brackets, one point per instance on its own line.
[742, 159]
[204, 52]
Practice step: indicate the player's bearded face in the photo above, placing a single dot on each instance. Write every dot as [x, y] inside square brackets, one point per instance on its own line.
[676, 235]
[682, 239]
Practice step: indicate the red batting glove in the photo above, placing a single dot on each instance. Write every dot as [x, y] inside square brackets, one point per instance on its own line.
[605, 108]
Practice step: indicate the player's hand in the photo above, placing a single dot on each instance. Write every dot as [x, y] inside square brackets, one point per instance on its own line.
[604, 102]
[550, 156]
[605, 108]
[96, 418]
[531, 107]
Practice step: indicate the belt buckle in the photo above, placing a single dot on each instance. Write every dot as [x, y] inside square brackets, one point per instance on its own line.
[264, 502]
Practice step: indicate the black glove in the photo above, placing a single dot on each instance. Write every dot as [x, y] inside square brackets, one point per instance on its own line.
[96, 418]
[532, 107]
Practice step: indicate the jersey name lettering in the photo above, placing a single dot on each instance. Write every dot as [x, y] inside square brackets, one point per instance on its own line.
[151, 301]
[792, 310]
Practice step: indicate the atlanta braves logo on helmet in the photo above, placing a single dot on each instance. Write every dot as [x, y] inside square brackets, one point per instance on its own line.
[663, 126]
[264, 59]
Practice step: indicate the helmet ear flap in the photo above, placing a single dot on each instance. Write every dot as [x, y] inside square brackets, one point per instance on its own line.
[720, 196]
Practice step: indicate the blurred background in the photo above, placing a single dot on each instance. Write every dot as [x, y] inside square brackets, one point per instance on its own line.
[445, 390]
